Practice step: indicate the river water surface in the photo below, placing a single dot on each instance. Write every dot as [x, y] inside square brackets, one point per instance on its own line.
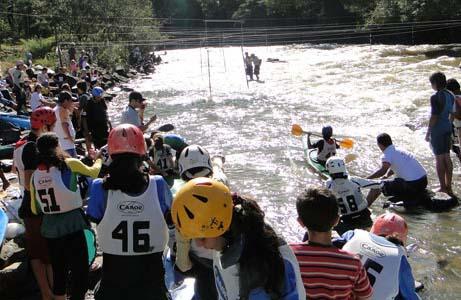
[360, 90]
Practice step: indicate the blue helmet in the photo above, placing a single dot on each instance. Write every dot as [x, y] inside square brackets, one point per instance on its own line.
[327, 132]
[97, 92]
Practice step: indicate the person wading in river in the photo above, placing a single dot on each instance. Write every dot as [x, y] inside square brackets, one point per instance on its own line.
[439, 130]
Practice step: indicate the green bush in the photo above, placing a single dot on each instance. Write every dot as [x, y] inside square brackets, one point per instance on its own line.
[39, 47]
[112, 56]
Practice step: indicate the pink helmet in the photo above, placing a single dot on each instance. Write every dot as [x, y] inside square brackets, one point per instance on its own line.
[42, 116]
[391, 224]
[126, 138]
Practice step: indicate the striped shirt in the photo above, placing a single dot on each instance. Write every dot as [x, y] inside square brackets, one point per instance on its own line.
[331, 273]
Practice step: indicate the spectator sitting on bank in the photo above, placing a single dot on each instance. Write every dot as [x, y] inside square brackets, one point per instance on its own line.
[43, 78]
[60, 78]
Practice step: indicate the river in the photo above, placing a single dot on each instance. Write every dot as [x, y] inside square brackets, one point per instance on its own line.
[360, 90]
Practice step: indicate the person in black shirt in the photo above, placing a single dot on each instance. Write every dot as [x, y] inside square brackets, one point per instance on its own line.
[96, 124]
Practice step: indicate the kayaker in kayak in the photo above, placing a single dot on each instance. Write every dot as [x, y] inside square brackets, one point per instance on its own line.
[383, 253]
[132, 210]
[192, 259]
[410, 176]
[250, 260]
[55, 193]
[326, 147]
[42, 120]
[353, 207]
[327, 272]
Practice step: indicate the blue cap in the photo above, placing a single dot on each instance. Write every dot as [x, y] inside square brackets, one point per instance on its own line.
[97, 92]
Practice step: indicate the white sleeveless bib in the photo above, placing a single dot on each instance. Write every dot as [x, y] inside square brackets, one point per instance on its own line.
[328, 151]
[54, 197]
[19, 165]
[350, 198]
[381, 259]
[133, 225]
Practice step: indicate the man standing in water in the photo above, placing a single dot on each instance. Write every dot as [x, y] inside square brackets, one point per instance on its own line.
[248, 66]
[257, 63]
[439, 130]
[131, 116]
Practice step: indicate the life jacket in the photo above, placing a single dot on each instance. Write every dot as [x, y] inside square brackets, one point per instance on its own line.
[328, 151]
[133, 225]
[381, 259]
[17, 160]
[52, 194]
[350, 198]
[163, 158]
[227, 278]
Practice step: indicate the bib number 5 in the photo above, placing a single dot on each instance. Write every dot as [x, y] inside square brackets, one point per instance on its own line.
[141, 241]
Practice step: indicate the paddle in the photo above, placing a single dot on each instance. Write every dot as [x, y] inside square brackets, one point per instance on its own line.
[297, 130]
[350, 157]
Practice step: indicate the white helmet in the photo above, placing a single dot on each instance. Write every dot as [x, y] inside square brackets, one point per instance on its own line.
[194, 162]
[336, 165]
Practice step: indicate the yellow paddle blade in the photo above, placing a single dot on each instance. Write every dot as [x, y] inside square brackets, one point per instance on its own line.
[346, 143]
[350, 157]
[296, 130]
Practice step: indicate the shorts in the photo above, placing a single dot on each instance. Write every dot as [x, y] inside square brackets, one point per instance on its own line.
[441, 143]
[360, 220]
[400, 187]
[36, 244]
[132, 277]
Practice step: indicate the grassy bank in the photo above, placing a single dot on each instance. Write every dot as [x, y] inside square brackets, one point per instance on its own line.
[42, 52]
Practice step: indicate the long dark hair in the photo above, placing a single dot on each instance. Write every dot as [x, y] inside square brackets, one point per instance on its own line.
[49, 152]
[260, 264]
[126, 175]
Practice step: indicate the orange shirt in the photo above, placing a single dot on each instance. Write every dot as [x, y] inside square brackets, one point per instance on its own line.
[331, 273]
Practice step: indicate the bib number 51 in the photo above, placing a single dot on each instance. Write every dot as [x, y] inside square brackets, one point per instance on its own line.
[141, 241]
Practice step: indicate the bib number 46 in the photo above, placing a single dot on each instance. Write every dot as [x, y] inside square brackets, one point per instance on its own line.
[141, 241]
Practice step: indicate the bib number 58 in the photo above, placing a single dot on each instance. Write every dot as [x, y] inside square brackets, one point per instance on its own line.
[141, 241]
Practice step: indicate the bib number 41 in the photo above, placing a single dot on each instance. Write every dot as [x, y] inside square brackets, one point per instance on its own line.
[141, 241]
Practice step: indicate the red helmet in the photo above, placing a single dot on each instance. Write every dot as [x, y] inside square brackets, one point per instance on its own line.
[126, 138]
[42, 116]
[391, 224]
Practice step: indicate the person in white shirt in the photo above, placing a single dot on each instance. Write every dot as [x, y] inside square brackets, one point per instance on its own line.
[64, 128]
[37, 100]
[410, 176]
[131, 116]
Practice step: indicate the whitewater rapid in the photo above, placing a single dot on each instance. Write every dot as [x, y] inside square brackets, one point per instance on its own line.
[360, 90]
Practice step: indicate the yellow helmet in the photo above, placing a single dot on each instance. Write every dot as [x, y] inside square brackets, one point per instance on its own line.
[202, 208]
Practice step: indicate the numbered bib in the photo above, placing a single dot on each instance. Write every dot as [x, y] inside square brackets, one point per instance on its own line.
[350, 199]
[381, 259]
[51, 193]
[133, 225]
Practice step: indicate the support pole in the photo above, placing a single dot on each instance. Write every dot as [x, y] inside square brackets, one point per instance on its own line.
[209, 73]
